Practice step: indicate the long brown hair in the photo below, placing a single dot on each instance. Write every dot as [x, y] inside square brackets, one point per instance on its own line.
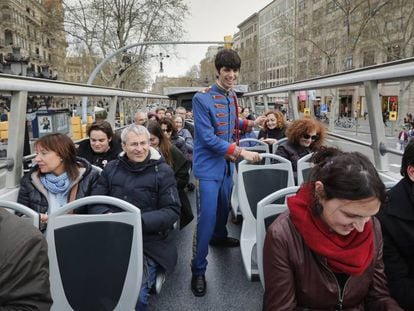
[64, 148]
[165, 145]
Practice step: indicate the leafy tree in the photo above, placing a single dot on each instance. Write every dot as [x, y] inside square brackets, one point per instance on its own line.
[103, 26]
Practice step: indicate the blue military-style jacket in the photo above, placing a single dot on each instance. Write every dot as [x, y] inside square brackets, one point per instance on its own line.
[215, 120]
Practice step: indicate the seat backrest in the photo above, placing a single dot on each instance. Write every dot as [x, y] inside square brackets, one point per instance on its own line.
[304, 167]
[267, 211]
[28, 213]
[256, 181]
[280, 142]
[255, 145]
[95, 260]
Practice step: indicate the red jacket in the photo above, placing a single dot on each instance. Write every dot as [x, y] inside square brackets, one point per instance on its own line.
[298, 279]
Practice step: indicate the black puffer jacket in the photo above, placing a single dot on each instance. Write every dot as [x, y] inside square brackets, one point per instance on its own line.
[397, 223]
[34, 195]
[99, 159]
[151, 187]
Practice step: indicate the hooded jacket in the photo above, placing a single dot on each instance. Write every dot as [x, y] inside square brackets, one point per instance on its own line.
[151, 187]
[33, 194]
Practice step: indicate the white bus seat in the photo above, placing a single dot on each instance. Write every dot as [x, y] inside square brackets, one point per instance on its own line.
[267, 211]
[260, 147]
[32, 216]
[95, 260]
[256, 181]
[304, 167]
[281, 141]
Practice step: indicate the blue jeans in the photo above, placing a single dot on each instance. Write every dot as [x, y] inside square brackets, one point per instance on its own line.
[149, 274]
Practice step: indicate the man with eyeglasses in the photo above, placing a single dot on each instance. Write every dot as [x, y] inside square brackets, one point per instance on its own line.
[141, 177]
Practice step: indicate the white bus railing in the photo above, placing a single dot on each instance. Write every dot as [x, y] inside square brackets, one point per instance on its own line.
[369, 78]
[19, 88]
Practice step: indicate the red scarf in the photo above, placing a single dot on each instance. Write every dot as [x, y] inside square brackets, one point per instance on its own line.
[350, 254]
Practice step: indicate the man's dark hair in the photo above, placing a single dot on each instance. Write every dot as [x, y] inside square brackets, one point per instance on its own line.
[227, 58]
[407, 159]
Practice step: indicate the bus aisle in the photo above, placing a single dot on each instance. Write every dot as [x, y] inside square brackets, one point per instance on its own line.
[227, 285]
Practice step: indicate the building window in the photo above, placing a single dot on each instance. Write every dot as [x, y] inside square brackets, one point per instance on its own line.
[8, 37]
[368, 58]
[349, 63]
[331, 65]
[393, 52]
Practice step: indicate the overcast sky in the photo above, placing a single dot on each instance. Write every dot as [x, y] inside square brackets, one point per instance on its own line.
[209, 20]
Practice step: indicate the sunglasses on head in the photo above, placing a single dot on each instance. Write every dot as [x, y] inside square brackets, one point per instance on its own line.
[313, 137]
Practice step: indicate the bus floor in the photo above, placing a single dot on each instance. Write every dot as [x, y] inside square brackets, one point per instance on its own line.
[227, 285]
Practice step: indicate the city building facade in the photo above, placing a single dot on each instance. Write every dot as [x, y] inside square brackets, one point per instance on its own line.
[32, 38]
[303, 39]
[247, 46]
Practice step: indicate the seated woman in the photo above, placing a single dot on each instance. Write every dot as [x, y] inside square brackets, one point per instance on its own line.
[304, 136]
[170, 131]
[183, 132]
[57, 178]
[325, 252]
[274, 128]
[245, 113]
[397, 219]
[178, 163]
[101, 146]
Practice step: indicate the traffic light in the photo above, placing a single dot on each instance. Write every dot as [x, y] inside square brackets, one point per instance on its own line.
[228, 42]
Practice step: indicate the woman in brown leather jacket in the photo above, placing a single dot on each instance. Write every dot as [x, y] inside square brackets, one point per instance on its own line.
[325, 252]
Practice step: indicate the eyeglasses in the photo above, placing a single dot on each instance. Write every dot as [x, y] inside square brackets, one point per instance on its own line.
[313, 137]
[166, 130]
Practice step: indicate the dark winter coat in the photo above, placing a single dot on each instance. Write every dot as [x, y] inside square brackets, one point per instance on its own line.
[24, 266]
[152, 188]
[99, 159]
[34, 195]
[292, 152]
[179, 142]
[181, 167]
[397, 222]
[276, 133]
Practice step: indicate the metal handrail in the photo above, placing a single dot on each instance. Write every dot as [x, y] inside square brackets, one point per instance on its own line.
[387, 72]
[36, 86]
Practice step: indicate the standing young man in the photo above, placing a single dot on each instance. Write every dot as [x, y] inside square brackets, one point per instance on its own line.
[215, 121]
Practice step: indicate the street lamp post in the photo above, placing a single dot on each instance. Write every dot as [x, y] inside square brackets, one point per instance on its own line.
[161, 57]
[122, 50]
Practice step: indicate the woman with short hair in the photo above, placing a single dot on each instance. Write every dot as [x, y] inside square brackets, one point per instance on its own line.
[57, 178]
